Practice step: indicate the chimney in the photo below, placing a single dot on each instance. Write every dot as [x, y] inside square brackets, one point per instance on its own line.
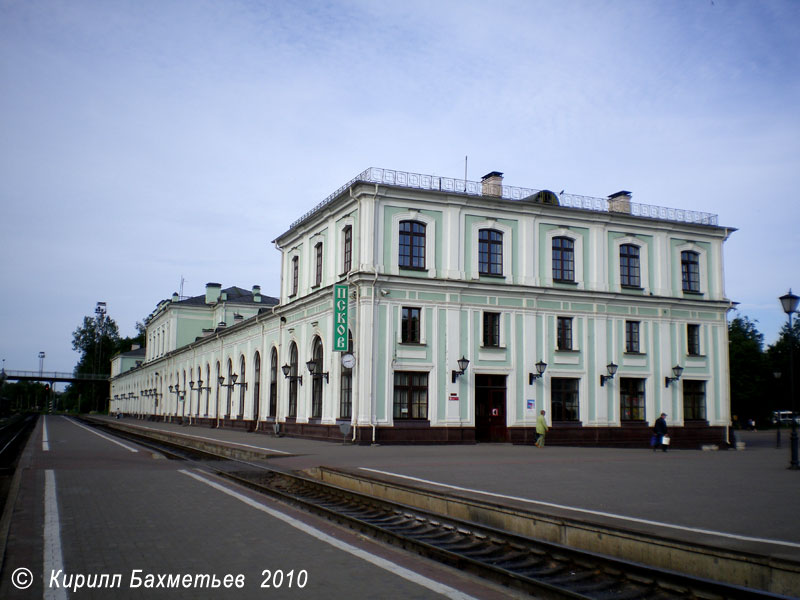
[212, 293]
[620, 202]
[175, 297]
[492, 184]
[256, 293]
[238, 317]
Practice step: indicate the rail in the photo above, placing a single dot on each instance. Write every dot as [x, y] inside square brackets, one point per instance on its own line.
[52, 376]
[475, 188]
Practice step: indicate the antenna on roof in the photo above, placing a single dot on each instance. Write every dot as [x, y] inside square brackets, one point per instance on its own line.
[466, 159]
[180, 293]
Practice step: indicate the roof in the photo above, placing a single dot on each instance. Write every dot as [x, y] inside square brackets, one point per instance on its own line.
[236, 295]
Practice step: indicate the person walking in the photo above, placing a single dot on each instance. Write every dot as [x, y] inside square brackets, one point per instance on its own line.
[541, 429]
[660, 430]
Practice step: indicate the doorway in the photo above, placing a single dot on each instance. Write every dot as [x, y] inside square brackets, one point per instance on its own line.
[490, 408]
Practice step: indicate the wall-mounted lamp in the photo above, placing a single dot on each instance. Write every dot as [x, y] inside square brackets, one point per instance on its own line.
[463, 363]
[540, 367]
[677, 370]
[287, 373]
[234, 377]
[612, 370]
[312, 368]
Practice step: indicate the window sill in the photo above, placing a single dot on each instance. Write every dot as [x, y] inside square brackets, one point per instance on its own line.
[696, 356]
[627, 353]
[565, 281]
[418, 269]
[692, 293]
[634, 288]
[493, 348]
[568, 350]
[492, 275]
[413, 344]
[409, 422]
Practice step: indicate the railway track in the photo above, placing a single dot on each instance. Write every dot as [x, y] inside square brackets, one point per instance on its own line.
[544, 569]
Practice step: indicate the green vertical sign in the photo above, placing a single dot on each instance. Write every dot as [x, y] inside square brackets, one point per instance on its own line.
[340, 294]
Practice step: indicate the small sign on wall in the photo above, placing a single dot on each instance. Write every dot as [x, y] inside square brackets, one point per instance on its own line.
[530, 406]
[453, 397]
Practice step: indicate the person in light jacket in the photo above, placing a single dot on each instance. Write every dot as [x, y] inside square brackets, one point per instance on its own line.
[541, 429]
[660, 430]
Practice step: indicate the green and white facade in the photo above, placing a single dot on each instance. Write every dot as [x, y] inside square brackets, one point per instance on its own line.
[437, 270]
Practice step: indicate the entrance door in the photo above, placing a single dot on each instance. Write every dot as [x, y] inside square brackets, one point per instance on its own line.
[490, 408]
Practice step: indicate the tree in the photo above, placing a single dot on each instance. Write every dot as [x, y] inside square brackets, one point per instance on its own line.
[97, 340]
[749, 372]
[778, 359]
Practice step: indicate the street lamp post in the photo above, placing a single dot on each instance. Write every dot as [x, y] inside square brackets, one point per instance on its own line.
[777, 413]
[789, 303]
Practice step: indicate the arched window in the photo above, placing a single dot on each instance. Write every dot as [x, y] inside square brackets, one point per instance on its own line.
[208, 387]
[182, 396]
[490, 252]
[242, 386]
[199, 390]
[229, 387]
[347, 250]
[293, 380]
[273, 383]
[563, 259]
[412, 245]
[316, 380]
[216, 384]
[256, 386]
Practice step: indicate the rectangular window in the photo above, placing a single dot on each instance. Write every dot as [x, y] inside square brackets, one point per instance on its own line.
[491, 329]
[346, 396]
[690, 271]
[631, 399]
[563, 259]
[564, 333]
[693, 339]
[412, 245]
[490, 252]
[629, 272]
[318, 275]
[295, 275]
[564, 399]
[410, 326]
[694, 400]
[632, 336]
[410, 395]
[347, 259]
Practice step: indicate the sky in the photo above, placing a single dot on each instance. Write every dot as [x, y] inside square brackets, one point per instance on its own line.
[143, 143]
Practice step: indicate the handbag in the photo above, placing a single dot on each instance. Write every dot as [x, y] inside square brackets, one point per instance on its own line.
[665, 440]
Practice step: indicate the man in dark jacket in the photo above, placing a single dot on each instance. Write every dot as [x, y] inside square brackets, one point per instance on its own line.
[660, 430]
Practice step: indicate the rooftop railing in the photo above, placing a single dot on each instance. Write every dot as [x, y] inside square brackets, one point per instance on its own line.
[475, 188]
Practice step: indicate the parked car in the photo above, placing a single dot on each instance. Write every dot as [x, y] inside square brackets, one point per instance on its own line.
[784, 417]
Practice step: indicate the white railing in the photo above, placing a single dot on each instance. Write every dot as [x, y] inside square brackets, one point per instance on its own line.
[475, 188]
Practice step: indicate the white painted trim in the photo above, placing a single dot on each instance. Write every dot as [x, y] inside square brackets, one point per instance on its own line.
[53, 556]
[590, 512]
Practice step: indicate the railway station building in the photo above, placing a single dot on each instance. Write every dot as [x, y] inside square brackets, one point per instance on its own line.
[422, 309]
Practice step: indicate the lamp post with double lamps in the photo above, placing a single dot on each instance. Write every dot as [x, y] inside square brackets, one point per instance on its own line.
[789, 303]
